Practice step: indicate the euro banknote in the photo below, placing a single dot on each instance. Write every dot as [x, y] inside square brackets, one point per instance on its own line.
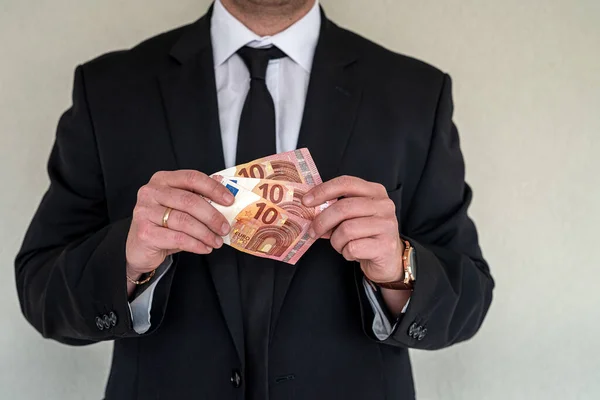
[287, 195]
[292, 166]
[262, 228]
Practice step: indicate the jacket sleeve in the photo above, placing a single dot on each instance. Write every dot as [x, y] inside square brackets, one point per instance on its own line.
[70, 270]
[453, 290]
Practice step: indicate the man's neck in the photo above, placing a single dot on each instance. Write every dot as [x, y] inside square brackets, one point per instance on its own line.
[266, 19]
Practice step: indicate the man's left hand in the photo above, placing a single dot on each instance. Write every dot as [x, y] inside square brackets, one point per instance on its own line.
[363, 225]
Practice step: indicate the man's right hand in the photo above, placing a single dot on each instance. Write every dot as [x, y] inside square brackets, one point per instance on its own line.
[193, 225]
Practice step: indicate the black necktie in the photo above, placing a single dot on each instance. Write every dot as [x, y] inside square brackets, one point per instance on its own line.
[256, 135]
[256, 139]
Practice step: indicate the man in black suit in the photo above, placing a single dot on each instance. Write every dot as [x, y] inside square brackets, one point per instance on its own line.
[125, 246]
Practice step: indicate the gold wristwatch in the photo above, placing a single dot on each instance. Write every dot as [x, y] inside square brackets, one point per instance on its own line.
[408, 261]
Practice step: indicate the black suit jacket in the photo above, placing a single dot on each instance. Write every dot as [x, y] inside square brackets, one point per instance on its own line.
[369, 112]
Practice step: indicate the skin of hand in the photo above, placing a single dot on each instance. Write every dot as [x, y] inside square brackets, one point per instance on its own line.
[363, 227]
[194, 225]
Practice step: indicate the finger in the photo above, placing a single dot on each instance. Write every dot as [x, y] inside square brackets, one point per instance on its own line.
[168, 239]
[184, 222]
[192, 204]
[363, 249]
[344, 209]
[327, 235]
[197, 182]
[359, 228]
[343, 186]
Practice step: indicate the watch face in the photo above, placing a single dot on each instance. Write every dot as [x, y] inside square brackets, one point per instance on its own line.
[413, 263]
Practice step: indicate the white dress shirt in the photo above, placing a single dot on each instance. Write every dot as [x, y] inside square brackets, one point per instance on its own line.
[287, 80]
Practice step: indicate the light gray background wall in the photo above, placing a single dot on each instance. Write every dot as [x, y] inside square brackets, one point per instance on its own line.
[527, 91]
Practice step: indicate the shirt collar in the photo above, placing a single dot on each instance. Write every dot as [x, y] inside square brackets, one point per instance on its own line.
[298, 42]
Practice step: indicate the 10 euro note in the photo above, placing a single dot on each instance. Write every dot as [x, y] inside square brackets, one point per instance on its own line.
[261, 228]
[286, 195]
[291, 166]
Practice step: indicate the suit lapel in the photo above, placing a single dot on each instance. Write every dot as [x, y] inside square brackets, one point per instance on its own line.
[189, 94]
[331, 104]
[190, 99]
[332, 100]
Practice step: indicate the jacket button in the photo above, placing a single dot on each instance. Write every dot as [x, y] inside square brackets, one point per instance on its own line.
[106, 321]
[99, 324]
[112, 317]
[236, 378]
[422, 334]
[412, 331]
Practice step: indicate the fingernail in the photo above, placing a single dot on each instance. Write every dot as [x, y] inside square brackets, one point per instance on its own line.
[308, 199]
[219, 241]
[225, 228]
[228, 197]
[312, 233]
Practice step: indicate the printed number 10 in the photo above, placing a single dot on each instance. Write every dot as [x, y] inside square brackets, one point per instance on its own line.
[256, 171]
[268, 216]
[275, 195]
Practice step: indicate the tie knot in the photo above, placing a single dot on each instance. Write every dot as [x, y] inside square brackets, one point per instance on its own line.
[257, 60]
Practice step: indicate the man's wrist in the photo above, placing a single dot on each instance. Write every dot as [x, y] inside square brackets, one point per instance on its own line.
[406, 274]
[400, 263]
[132, 275]
[395, 300]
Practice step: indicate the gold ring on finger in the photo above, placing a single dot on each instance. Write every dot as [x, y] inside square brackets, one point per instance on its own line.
[165, 221]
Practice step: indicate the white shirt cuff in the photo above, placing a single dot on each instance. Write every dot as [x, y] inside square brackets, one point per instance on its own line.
[382, 327]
